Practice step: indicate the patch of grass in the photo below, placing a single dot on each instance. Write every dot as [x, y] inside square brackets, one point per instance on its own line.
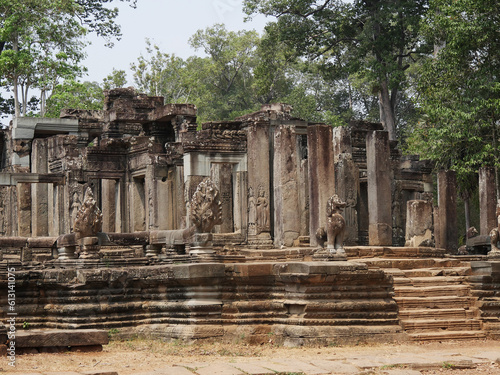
[112, 331]
[387, 367]
[448, 365]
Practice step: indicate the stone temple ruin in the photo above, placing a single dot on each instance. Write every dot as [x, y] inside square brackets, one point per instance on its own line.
[133, 217]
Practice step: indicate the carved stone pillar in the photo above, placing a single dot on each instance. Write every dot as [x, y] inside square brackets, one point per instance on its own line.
[321, 176]
[445, 217]
[259, 227]
[487, 200]
[379, 188]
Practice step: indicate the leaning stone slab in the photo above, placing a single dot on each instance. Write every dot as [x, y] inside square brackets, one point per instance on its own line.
[48, 338]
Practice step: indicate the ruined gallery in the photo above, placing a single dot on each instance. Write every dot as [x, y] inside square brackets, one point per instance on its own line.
[134, 219]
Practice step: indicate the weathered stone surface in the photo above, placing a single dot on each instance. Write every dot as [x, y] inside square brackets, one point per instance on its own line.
[419, 225]
[487, 200]
[321, 174]
[88, 220]
[445, 217]
[49, 338]
[379, 188]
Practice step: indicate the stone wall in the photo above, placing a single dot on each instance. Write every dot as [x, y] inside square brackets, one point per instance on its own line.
[333, 299]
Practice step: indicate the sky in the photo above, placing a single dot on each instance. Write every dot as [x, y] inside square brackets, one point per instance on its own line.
[168, 24]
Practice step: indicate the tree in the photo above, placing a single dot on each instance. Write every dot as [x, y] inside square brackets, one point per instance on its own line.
[459, 88]
[161, 74]
[116, 79]
[379, 38]
[41, 41]
[73, 94]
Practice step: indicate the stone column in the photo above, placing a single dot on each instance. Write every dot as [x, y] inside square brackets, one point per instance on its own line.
[286, 195]
[418, 222]
[487, 200]
[39, 192]
[259, 174]
[446, 216]
[108, 205]
[347, 186]
[321, 176]
[24, 209]
[379, 188]
[222, 176]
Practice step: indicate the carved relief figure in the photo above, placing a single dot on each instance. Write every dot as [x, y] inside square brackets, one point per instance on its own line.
[495, 233]
[88, 221]
[206, 207]
[75, 206]
[252, 214]
[335, 226]
[262, 207]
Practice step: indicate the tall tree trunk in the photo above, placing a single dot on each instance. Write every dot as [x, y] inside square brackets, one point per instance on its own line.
[17, 111]
[387, 117]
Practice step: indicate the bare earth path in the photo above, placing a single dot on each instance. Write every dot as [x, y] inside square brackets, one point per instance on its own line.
[156, 357]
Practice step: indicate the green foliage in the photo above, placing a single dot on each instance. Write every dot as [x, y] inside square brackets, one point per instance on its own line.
[77, 95]
[116, 79]
[459, 88]
[376, 41]
[42, 42]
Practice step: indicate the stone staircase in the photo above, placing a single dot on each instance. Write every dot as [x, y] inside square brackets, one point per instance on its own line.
[434, 298]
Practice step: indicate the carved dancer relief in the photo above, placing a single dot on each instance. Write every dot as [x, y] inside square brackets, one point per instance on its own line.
[252, 213]
[262, 208]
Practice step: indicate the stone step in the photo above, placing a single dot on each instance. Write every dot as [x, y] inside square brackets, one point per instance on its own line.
[443, 302]
[432, 291]
[454, 313]
[411, 264]
[438, 271]
[437, 280]
[440, 324]
[446, 335]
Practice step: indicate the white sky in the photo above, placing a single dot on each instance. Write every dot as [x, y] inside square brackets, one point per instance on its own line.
[169, 24]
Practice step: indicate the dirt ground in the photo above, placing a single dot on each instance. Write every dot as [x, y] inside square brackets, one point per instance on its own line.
[129, 357]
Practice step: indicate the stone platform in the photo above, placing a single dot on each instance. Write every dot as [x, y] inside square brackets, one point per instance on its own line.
[379, 294]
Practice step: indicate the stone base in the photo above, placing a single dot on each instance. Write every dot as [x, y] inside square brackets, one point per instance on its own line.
[494, 255]
[279, 334]
[260, 241]
[66, 253]
[327, 254]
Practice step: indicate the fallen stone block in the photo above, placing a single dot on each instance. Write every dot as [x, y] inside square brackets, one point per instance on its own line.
[61, 338]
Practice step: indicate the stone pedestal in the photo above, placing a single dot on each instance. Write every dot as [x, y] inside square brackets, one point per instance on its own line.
[89, 248]
[379, 188]
[201, 244]
[487, 200]
[329, 254]
[153, 250]
[445, 217]
[321, 176]
[66, 252]
[418, 223]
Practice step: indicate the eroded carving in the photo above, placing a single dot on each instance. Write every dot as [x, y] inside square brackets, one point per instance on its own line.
[206, 207]
[335, 227]
[262, 208]
[88, 221]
